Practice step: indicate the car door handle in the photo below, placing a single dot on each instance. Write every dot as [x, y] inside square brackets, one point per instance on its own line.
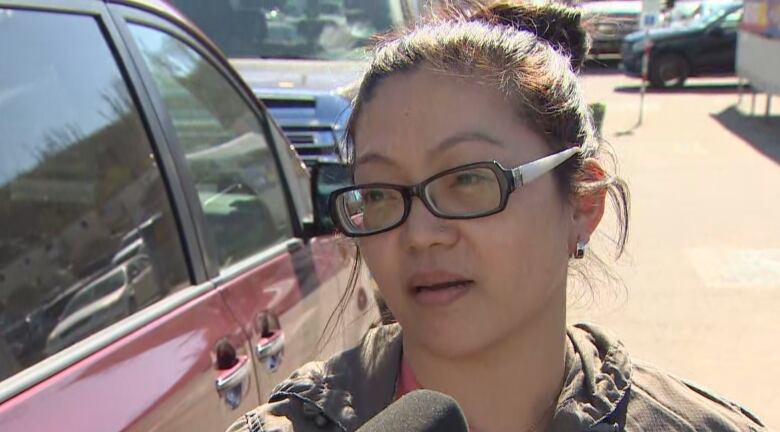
[270, 347]
[235, 375]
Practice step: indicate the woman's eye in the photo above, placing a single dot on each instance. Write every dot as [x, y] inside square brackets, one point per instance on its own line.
[468, 179]
[374, 196]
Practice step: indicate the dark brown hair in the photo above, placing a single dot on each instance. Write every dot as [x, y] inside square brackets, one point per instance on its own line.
[532, 54]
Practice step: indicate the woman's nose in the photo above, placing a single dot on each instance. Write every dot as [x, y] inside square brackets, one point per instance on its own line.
[423, 229]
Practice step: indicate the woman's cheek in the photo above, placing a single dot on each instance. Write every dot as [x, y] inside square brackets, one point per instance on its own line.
[380, 258]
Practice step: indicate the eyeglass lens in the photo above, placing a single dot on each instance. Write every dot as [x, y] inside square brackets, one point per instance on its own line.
[464, 193]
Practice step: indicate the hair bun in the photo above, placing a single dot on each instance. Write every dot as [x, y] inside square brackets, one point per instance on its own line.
[557, 24]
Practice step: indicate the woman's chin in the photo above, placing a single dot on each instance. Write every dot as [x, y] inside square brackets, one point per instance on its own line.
[448, 338]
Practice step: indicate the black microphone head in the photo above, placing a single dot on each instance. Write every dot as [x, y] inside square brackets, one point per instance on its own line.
[419, 411]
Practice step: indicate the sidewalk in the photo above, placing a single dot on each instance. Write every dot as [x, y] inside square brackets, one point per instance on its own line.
[701, 293]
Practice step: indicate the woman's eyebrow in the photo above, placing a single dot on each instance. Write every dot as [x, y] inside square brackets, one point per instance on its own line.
[461, 137]
[376, 158]
[445, 144]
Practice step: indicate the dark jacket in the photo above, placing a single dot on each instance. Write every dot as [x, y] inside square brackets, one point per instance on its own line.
[605, 390]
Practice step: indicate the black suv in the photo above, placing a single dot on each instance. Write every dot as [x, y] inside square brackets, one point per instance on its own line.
[704, 46]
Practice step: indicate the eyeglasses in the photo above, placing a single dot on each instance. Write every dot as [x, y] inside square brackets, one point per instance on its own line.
[466, 192]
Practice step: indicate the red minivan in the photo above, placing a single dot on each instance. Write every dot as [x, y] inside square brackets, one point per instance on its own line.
[161, 265]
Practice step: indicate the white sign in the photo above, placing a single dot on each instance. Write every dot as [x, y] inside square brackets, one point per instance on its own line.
[651, 13]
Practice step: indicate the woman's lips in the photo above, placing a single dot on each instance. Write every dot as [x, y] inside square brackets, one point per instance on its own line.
[438, 288]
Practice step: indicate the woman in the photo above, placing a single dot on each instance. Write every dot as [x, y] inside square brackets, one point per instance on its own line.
[478, 187]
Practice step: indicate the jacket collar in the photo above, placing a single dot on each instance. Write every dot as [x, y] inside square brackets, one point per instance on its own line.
[357, 384]
[369, 372]
[598, 380]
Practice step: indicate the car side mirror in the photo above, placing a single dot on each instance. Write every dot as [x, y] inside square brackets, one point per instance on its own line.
[326, 177]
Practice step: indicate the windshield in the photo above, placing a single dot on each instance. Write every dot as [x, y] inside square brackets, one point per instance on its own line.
[613, 8]
[711, 12]
[301, 29]
[684, 10]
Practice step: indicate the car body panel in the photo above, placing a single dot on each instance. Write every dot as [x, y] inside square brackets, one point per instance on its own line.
[160, 369]
[297, 292]
[160, 377]
[717, 52]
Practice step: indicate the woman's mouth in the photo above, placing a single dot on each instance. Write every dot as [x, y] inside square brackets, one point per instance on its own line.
[441, 293]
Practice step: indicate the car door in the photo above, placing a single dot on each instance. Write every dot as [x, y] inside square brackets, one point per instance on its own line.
[108, 319]
[247, 200]
[718, 49]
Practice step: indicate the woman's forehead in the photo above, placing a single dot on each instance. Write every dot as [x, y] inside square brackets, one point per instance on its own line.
[413, 112]
[429, 93]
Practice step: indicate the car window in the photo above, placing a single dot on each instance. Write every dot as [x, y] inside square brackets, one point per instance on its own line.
[235, 174]
[324, 30]
[80, 191]
[110, 283]
[731, 21]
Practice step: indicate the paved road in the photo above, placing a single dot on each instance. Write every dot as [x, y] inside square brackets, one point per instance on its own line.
[700, 292]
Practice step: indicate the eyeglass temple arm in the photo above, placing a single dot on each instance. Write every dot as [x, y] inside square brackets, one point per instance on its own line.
[532, 170]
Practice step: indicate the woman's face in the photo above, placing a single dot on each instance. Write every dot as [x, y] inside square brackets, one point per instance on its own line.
[457, 286]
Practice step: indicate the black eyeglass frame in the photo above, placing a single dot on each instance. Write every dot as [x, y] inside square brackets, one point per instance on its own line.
[509, 180]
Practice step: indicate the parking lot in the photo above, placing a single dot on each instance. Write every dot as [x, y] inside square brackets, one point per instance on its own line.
[166, 240]
[700, 279]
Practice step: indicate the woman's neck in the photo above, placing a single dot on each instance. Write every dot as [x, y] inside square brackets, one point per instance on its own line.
[510, 385]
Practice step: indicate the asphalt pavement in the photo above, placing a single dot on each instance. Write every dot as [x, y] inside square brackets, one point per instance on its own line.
[698, 289]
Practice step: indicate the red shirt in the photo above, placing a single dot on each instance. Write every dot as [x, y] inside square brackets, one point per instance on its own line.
[406, 381]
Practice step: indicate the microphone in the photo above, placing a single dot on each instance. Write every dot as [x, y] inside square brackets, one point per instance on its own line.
[419, 411]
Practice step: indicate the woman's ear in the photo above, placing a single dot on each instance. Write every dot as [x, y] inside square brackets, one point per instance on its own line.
[588, 203]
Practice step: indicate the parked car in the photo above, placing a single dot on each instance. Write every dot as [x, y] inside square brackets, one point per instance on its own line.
[608, 22]
[687, 10]
[301, 57]
[704, 46]
[161, 265]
